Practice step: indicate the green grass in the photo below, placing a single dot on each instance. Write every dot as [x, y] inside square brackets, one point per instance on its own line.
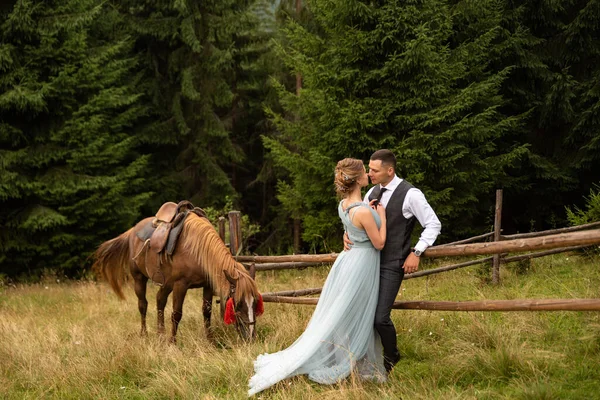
[76, 340]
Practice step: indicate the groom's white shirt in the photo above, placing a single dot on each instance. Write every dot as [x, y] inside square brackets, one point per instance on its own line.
[415, 205]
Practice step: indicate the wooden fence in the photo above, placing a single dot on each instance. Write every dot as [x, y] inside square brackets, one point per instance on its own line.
[550, 242]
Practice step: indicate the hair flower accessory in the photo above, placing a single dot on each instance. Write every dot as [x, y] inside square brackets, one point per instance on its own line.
[347, 178]
[341, 188]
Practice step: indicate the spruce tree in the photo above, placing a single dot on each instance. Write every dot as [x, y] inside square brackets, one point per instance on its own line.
[591, 212]
[554, 81]
[253, 64]
[70, 176]
[393, 75]
[198, 66]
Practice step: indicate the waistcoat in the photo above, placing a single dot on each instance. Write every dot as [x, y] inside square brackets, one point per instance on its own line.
[399, 229]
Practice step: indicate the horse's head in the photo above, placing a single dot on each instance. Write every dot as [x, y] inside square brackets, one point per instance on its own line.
[243, 308]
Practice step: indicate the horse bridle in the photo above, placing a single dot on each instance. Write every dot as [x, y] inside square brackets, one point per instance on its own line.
[232, 297]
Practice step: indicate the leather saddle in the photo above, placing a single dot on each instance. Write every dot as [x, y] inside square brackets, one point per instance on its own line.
[164, 230]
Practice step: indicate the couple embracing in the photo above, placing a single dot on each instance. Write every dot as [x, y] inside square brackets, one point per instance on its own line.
[351, 329]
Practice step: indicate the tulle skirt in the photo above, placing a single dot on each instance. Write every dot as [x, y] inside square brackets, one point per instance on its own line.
[340, 336]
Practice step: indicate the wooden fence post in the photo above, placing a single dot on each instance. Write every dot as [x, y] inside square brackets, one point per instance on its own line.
[222, 228]
[497, 237]
[235, 232]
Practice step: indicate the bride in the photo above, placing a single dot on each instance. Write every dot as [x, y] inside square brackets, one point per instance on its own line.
[340, 337]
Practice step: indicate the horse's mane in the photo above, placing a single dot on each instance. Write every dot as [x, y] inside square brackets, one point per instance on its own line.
[203, 243]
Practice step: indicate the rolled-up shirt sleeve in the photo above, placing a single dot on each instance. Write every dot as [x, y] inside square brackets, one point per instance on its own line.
[415, 204]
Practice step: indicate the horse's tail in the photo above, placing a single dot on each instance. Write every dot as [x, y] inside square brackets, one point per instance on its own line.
[112, 259]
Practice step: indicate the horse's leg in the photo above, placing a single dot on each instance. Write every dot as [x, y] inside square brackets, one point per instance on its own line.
[207, 297]
[161, 303]
[140, 291]
[179, 291]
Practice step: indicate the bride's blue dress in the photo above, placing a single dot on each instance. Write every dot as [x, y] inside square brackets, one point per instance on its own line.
[340, 336]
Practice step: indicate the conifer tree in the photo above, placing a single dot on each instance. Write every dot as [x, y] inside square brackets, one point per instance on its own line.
[70, 176]
[554, 81]
[199, 68]
[591, 212]
[253, 64]
[393, 75]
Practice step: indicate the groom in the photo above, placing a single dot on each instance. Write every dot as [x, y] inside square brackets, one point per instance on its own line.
[404, 205]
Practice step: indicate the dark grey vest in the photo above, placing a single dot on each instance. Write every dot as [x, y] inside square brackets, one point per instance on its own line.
[399, 229]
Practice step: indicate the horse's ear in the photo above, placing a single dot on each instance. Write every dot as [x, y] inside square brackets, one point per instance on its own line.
[231, 279]
[252, 271]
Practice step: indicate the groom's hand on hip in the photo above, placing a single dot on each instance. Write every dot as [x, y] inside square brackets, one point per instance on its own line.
[411, 264]
[347, 243]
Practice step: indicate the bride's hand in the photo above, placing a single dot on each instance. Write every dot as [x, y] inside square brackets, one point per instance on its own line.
[380, 209]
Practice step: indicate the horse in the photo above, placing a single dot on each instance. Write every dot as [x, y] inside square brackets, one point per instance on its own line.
[200, 260]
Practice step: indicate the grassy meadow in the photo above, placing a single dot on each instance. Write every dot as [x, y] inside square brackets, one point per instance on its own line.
[76, 340]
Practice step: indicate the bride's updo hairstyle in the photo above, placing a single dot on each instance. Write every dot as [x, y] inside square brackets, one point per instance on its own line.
[347, 173]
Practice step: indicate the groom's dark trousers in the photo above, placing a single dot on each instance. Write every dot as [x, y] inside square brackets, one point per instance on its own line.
[390, 278]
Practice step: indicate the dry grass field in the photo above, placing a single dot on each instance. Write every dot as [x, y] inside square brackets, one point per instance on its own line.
[76, 340]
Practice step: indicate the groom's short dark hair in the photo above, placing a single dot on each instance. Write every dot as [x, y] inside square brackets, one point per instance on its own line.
[386, 157]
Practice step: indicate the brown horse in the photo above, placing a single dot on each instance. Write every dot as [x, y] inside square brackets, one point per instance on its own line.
[200, 259]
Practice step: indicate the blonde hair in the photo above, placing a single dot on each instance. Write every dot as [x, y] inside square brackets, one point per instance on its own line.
[347, 173]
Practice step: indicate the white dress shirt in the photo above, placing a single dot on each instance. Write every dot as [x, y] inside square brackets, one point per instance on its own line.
[415, 205]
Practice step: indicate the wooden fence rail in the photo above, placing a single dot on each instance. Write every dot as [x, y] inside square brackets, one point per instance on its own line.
[306, 292]
[526, 235]
[284, 265]
[506, 260]
[518, 245]
[482, 305]
[552, 241]
[588, 237]
[551, 231]
[294, 293]
[317, 258]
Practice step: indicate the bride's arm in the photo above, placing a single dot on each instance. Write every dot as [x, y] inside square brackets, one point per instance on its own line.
[365, 218]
